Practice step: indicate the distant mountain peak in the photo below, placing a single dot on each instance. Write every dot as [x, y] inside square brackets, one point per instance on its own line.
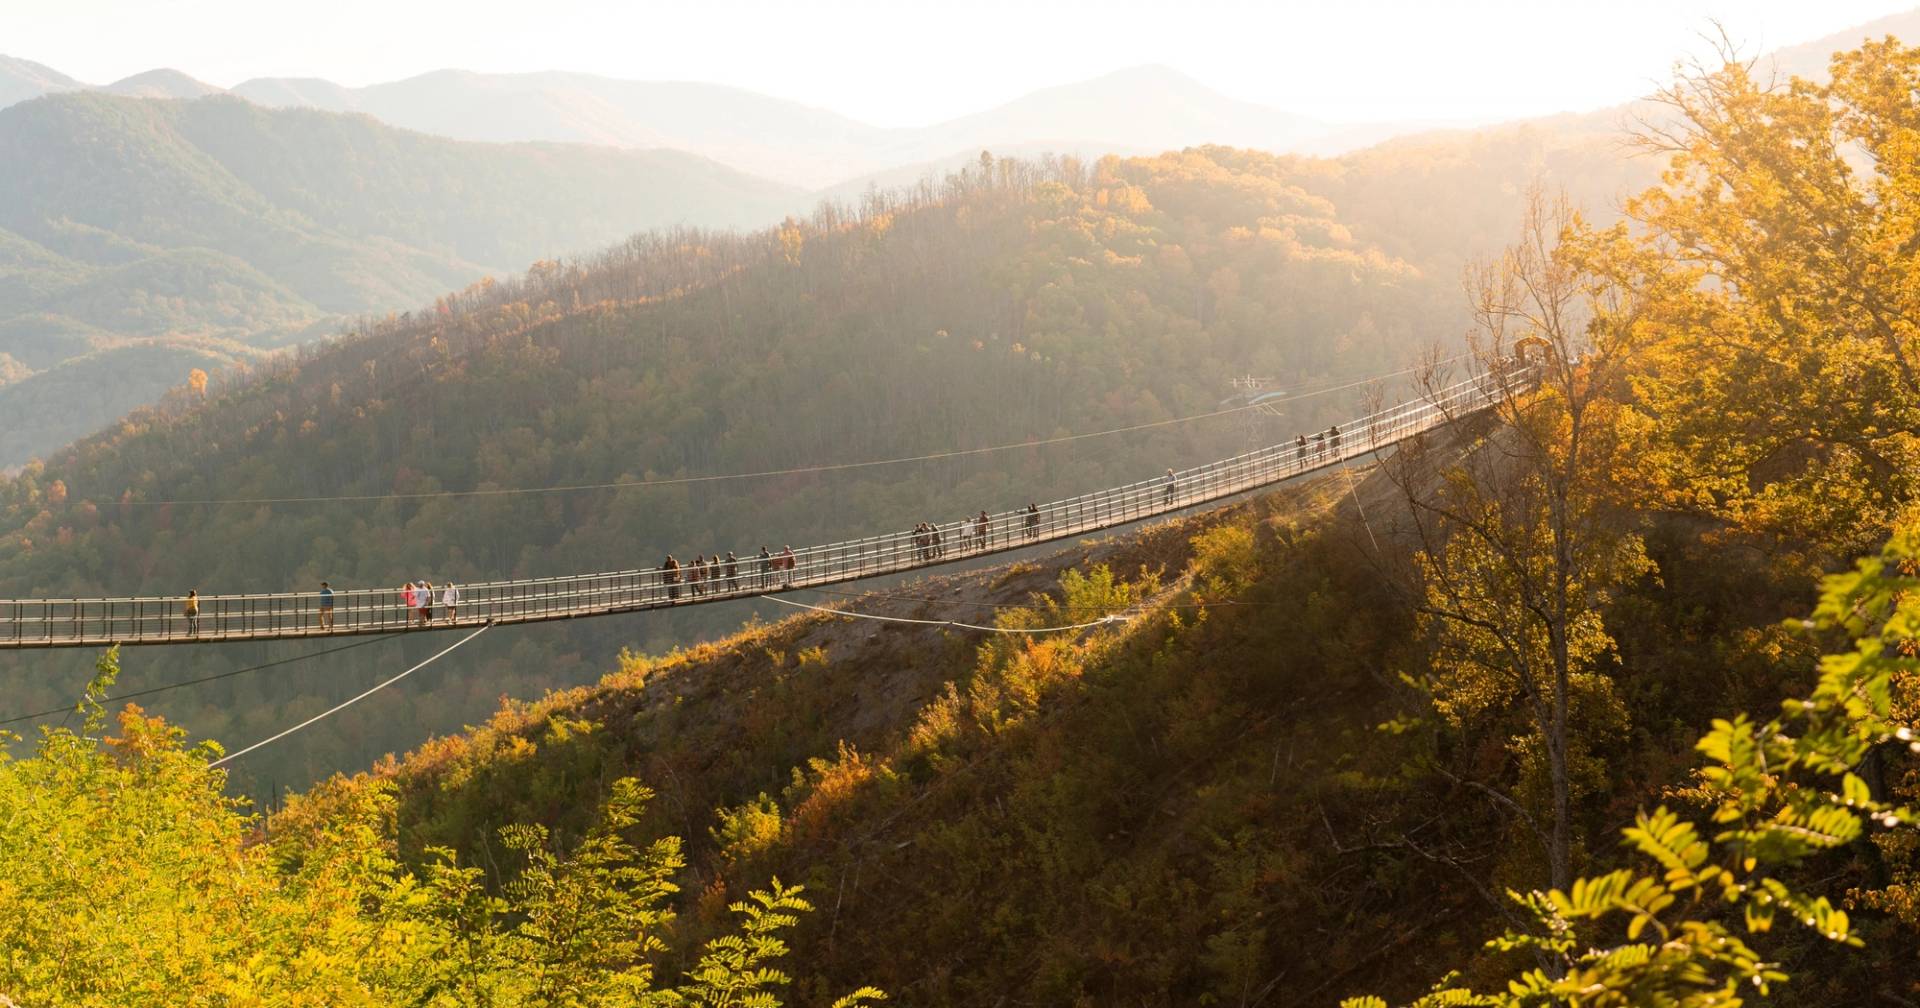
[23, 79]
[14, 65]
[162, 83]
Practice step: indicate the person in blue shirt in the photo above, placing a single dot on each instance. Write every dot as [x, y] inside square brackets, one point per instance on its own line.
[326, 606]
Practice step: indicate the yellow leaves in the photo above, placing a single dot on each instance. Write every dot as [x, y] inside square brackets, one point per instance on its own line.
[1780, 374]
[792, 237]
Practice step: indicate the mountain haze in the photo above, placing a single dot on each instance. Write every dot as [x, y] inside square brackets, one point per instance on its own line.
[1809, 59]
[191, 224]
[1141, 109]
[23, 79]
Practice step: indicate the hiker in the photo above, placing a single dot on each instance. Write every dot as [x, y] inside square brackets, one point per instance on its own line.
[326, 606]
[670, 576]
[733, 572]
[1300, 448]
[191, 610]
[409, 600]
[1167, 495]
[939, 547]
[426, 602]
[922, 542]
[980, 531]
[766, 568]
[1033, 520]
[697, 575]
[786, 564]
[1319, 444]
[449, 599]
[1333, 438]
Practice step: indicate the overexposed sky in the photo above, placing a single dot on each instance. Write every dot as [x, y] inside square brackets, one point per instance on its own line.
[910, 63]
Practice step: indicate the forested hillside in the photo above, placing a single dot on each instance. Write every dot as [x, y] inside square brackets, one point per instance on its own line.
[195, 229]
[1016, 302]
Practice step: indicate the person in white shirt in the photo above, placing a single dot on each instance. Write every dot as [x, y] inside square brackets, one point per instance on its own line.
[449, 599]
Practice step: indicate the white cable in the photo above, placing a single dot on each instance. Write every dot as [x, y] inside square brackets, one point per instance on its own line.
[349, 703]
[1115, 618]
[1354, 489]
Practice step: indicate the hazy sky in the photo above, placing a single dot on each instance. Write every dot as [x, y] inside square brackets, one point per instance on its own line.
[907, 62]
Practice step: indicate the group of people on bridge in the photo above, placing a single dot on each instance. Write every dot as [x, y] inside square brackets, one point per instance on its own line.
[1324, 443]
[417, 596]
[930, 539]
[704, 576]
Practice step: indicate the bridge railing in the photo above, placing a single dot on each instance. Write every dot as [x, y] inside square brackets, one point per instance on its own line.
[66, 622]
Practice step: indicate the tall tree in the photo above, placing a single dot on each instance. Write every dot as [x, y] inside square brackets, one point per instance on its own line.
[1780, 388]
[1520, 544]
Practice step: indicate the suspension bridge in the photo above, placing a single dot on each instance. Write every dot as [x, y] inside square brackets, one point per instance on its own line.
[93, 622]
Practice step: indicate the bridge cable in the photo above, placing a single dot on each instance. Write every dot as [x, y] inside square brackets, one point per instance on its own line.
[203, 679]
[1029, 605]
[795, 471]
[1354, 489]
[348, 703]
[1111, 618]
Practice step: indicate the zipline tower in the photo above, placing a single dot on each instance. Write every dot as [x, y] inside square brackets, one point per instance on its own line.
[1255, 424]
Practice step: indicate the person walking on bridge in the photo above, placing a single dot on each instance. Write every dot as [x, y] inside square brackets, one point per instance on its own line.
[1033, 520]
[1167, 496]
[449, 599]
[326, 606]
[409, 601]
[1300, 449]
[766, 568]
[191, 610]
[670, 576]
[733, 572]
[980, 526]
[787, 564]
[1333, 439]
[426, 602]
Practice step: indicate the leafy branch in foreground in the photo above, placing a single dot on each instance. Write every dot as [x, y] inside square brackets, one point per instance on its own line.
[1675, 932]
[321, 911]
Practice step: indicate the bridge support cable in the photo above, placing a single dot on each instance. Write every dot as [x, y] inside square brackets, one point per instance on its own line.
[337, 708]
[1102, 621]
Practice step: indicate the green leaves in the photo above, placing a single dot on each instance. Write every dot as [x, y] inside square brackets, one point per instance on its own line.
[1783, 791]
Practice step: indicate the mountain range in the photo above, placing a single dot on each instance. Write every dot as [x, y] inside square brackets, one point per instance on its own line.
[1145, 108]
